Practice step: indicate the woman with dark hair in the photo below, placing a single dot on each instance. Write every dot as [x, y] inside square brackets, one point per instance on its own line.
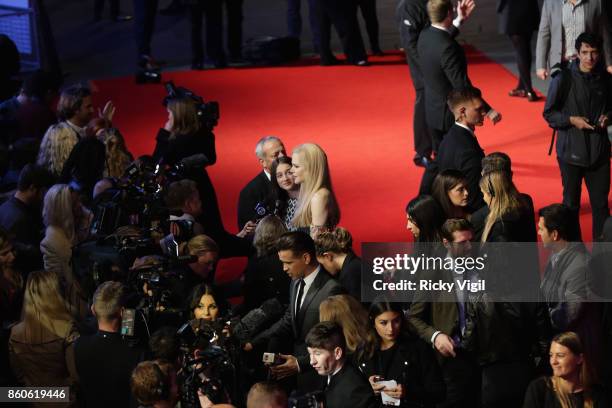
[206, 304]
[285, 188]
[425, 218]
[450, 191]
[400, 357]
[572, 384]
[85, 166]
[11, 283]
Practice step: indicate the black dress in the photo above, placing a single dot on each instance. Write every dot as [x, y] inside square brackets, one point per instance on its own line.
[411, 363]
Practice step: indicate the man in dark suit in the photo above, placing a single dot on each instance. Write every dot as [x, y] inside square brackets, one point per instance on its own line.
[413, 19]
[311, 285]
[444, 68]
[460, 149]
[259, 190]
[104, 362]
[346, 386]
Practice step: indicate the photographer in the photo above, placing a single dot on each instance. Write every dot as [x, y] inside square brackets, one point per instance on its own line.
[104, 361]
[183, 198]
[188, 132]
[579, 107]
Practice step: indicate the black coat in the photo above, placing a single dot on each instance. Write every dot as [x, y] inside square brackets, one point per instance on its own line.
[258, 190]
[349, 388]
[414, 365]
[518, 16]
[461, 151]
[264, 279]
[444, 68]
[104, 364]
[24, 225]
[350, 275]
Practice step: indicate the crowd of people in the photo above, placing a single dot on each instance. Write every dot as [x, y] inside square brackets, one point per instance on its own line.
[107, 262]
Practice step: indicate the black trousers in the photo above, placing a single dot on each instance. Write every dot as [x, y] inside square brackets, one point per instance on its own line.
[597, 180]
[421, 134]
[212, 10]
[343, 15]
[462, 378]
[368, 11]
[144, 24]
[99, 8]
[522, 49]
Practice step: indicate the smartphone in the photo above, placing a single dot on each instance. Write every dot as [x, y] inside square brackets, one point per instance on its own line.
[272, 359]
[127, 322]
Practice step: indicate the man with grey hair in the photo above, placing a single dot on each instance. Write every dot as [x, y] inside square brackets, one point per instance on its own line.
[259, 190]
[104, 361]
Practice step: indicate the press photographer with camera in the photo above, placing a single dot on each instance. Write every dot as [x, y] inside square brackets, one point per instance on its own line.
[189, 132]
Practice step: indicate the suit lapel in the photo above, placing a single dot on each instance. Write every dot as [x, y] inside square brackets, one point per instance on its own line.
[312, 292]
[292, 299]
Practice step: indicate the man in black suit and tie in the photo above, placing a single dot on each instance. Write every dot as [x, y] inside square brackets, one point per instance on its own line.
[259, 190]
[444, 68]
[345, 385]
[311, 285]
[460, 149]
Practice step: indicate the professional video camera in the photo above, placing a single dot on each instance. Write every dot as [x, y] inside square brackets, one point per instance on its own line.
[208, 361]
[208, 112]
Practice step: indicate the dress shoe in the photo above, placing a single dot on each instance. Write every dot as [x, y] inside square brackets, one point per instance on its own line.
[421, 161]
[520, 93]
[329, 61]
[362, 63]
[532, 96]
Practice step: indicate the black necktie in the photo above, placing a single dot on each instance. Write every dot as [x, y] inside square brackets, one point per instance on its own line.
[301, 285]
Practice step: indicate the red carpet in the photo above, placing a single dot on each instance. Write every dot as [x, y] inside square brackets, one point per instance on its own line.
[360, 116]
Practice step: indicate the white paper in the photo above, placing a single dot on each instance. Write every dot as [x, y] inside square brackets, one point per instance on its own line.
[386, 399]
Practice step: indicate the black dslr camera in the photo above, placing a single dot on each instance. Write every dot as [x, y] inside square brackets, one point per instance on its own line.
[208, 112]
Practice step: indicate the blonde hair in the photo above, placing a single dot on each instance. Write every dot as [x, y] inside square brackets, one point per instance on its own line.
[185, 115]
[438, 10]
[267, 232]
[44, 304]
[350, 314]
[314, 162]
[201, 244]
[572, 341]
[338, 241]
[505, 198]
[108, 300]
[57, 210]
[55, 147]
[118, 157]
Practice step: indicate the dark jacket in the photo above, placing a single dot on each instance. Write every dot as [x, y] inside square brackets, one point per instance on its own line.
[24, 225]
[575, 93]
[524, 234]
[258, 190]
[540, 394]
[264, 279]
[518, 16]
[348, 388]
[444, 68]
[461, 151]
[413, 364]
[104, 363]
[350, 275]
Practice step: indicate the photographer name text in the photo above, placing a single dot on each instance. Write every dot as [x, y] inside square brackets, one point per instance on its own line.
[429, 285]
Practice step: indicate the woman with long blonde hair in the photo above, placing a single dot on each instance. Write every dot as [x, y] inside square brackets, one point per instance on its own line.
[55, 147]
[317, 207]
[508, 219]
[572, 384]
[62, 214]
[40, 346]
[361, 341]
